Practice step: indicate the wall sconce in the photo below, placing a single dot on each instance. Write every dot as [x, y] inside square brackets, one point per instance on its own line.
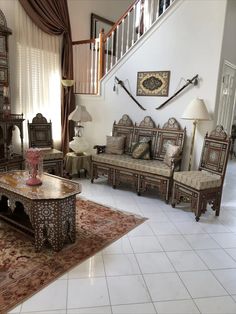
[67, 84]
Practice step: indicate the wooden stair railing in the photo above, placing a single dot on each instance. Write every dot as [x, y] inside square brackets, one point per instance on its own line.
[85, 63]
[94, 58]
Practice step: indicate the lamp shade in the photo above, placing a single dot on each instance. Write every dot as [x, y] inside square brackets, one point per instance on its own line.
[196, 110]
[80, 114]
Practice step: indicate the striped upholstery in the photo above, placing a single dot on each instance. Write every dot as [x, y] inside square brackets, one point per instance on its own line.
[126, 161]
[198, 180]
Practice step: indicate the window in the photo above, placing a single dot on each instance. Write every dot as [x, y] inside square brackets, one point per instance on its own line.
[38, 74]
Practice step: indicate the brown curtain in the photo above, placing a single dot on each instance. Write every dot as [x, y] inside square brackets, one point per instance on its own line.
[52, 16]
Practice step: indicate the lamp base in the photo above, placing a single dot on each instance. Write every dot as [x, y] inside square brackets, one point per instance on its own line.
[78, 145]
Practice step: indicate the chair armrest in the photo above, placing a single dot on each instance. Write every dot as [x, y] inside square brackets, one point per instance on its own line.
[100, 148]
[176, 162]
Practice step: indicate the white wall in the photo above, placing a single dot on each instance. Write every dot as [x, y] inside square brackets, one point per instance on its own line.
[188, 42]
[80, 11]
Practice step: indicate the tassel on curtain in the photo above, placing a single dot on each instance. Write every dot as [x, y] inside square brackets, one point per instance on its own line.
[52, 16]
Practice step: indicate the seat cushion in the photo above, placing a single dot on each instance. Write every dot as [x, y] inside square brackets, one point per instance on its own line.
[171, 152]
[141, 150]
[52, 153]
[126, 161]
[199, 180]
[115, 145]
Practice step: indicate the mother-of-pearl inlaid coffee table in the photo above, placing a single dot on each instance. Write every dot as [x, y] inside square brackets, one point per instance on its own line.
[47, 210]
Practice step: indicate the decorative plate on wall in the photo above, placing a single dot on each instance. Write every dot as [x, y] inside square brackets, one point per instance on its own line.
[153, 83]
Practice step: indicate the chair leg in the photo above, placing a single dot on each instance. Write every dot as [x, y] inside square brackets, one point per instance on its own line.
[92, 175]
[217, 205]
[173, 198]
[196, 205]
[198, 212]
[204, 207]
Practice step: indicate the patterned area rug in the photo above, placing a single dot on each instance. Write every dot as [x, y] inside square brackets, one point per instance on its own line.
[24, 272]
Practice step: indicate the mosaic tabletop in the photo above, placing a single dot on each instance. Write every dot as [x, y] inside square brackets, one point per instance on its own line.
[52, 187]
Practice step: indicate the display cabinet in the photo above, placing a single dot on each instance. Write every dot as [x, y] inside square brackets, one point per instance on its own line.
[11, 148]
[4, 66]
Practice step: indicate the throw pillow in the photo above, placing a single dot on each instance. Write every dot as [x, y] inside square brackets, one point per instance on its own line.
[141, 150]
[115, 145]
[171, 152]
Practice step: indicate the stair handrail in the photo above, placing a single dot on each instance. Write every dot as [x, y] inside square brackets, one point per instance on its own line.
[118, 22]
[107, 45]
[84, 41]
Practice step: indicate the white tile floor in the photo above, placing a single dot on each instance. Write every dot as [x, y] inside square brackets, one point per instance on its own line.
[169, 264]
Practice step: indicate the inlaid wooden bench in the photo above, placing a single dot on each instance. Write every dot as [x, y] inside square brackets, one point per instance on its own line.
[142, 174]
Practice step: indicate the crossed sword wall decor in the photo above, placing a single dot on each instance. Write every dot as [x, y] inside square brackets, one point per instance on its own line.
[121, 83]
[193, 81]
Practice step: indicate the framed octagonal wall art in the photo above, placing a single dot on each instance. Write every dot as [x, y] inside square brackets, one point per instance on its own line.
[153, 83]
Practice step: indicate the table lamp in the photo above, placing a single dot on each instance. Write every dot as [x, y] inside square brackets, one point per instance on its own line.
[195, 111]
[80, 114]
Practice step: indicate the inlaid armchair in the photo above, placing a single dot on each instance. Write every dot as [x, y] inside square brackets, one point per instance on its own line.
[205, 185]
[40, 136]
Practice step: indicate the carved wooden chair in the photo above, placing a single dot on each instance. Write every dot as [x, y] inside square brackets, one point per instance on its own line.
[40, 136]
[205, 185]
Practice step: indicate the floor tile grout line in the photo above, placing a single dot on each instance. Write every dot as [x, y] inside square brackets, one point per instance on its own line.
[185, 285]
[180, 278]
[220, 244]
[196, 251]
[172, 236]
[197, 306]
[20, 307]
[67, 292]
[219, 281]
[211, 270]
[140, 274]
[201, 248]
[224, 249]
[146, 286]
[108, 291]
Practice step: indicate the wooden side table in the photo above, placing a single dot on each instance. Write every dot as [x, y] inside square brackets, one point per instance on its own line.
[74, 163]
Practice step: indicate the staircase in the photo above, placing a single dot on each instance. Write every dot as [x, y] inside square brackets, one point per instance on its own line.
[94, 58]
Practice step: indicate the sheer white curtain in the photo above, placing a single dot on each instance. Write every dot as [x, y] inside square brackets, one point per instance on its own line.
[38, 74]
